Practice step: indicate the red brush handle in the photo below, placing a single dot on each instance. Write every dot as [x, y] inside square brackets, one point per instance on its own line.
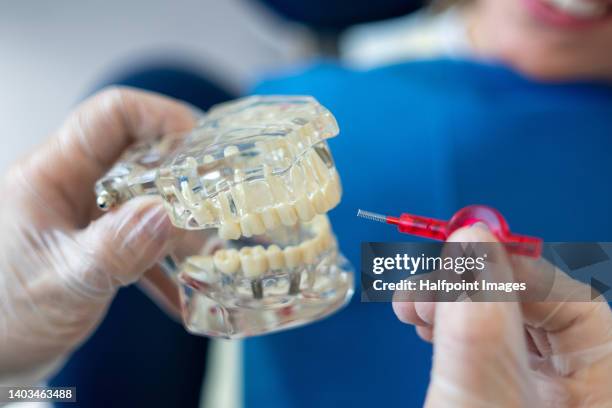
[420, 226]
[440, 230]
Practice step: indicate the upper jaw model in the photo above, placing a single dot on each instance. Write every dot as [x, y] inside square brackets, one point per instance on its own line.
[260, 172]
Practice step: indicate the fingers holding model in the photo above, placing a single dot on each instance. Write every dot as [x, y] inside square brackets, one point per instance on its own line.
[511, 354]
[61, 262]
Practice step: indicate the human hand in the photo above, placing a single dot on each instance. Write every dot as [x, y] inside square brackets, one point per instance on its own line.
[61, 259]
[511, 354]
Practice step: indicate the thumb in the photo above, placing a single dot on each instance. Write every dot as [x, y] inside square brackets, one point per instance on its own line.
[124, 243]
[480, 356]
[480, 351]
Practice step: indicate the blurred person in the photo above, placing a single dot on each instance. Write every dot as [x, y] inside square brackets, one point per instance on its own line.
[526, 132]
[543, 39]
[500, 102]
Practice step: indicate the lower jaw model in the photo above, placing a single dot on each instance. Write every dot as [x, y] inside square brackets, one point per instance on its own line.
[260, 172]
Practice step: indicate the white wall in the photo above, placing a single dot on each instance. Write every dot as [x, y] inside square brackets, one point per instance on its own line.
[52, 52]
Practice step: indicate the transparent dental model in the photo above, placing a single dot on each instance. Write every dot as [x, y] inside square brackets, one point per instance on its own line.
[259, 172]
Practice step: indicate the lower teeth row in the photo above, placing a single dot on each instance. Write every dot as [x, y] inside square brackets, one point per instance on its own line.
[254, 262]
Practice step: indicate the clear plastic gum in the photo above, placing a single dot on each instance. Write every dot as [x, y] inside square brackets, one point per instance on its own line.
[259, 172]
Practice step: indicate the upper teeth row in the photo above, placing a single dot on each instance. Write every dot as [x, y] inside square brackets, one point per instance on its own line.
[250, 208]
[580, 8]
[253, 262]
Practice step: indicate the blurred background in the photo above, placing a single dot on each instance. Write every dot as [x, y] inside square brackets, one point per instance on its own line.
[55, 53]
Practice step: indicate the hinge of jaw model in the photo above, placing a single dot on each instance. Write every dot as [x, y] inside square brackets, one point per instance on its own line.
[259, 170]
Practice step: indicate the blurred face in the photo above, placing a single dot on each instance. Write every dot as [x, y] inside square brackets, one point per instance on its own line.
[546, 39]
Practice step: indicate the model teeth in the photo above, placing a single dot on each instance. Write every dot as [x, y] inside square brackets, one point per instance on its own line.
[304, 208]
[309, 251]
[248, 206]
[319, 202]
[275, 257]
[318, 166]
[226, 260]
[258, 221]
[229, 230]
[252, 224]
[258, 168]
[332, 191]
[255, 262]
[580, 8]
[298, 180]
[277, 187]
[203, 213]
[293, 256]
[287, 214]
[225, 208]
[270, 218]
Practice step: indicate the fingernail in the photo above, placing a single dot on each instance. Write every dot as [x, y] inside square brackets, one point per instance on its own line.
[157, 223]
[481, 225]
[152, 226]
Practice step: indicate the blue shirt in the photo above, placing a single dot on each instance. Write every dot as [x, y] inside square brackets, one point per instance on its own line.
[429, 138]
